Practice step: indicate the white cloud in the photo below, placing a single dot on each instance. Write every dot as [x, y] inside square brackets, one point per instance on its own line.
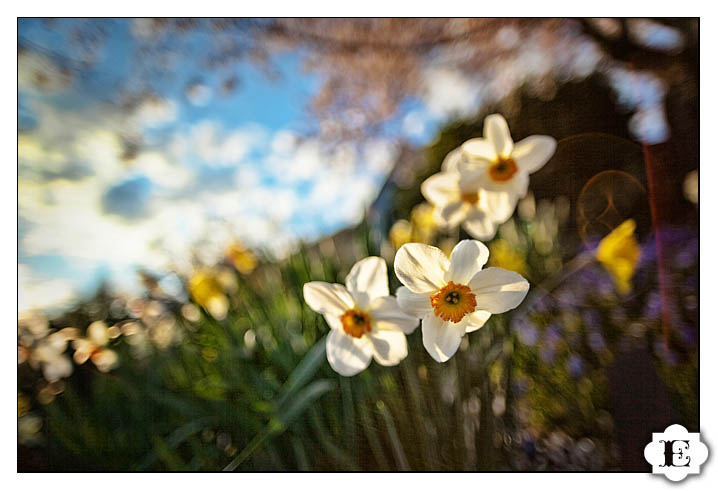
[449, 92]
[280, 189]
[154, 112]
[212, 145]
[37, 292]
[414, 124]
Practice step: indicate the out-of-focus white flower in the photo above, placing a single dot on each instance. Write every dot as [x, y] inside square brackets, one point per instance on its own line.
[93, 348]
[453, 295]
[49, 355]
[498, 165]
[28, 429]
[460, 199]
[365, 320]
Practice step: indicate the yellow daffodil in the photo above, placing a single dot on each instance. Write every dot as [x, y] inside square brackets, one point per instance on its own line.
[619, 253]
[423, 223]
[206, 289]
[400, 234]
[507, 257]
[242, 259]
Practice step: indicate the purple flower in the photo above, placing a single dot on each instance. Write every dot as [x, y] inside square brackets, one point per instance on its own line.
[596, 341]
[575, 366]
[548, 355]
[652, 310]
[528, 334]
[591, 319]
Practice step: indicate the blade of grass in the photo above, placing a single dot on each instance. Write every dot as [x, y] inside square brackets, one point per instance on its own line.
[399, 455]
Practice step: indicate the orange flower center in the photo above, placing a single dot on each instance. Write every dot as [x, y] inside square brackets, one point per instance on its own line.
[503, 170]
[355, 323]
[453, 302]
[471, 198]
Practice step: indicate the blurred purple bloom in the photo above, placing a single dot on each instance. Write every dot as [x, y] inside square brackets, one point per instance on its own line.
[596, 341]
[591, 319]
[528, 334]
[548, 354]
[652, 310]
[575, 366]
[661, 350]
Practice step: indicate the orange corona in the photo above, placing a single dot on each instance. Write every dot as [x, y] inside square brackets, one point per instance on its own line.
[356, 323]
[503, 170]
[453, 302]
[471, 198]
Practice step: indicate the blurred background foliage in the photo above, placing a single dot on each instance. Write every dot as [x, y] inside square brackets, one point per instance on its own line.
[602, 352]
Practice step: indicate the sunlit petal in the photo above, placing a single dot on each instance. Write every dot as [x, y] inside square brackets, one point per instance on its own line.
[532, 153]
[347, 355]
[368, 280]
[386, 314]
[467, 258]
[479, 224]
[389, 346]
[479, 148]
[476, 320]
[496, 131]
[420, 267]
[498, 290]
[326, 298]
[441, 188]
[441, 339]
[418, 304]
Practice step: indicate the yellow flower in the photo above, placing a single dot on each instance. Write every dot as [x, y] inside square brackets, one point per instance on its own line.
[206, 289]
[507, 257]
[242, 259]
[23, 404]
[423, 223]
[619, 253]
[400, 234]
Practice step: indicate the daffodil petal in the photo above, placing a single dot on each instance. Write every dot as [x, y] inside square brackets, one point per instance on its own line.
[368, 280]
[333, 321]
[476, 320]
[532, 153]
[348, 355]
[498, 290]
[389, 346]
[418, 304]
[441, 339]
[498, 204]
[451, 161]
[479, 148]
[386, 314]
[496, 131]
[420, 267]
[105, 360]
[441, 188]
[327, 298]
[452, 214]
[467, 258]
[479, 224]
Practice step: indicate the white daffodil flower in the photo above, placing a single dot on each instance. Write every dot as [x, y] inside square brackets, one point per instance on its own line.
[93, 347]
[49, 354]
[459, 199]
[365, 320]
[498, 165]
[453, 295]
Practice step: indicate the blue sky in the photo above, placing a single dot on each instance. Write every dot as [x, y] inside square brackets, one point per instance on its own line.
[215, 168]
